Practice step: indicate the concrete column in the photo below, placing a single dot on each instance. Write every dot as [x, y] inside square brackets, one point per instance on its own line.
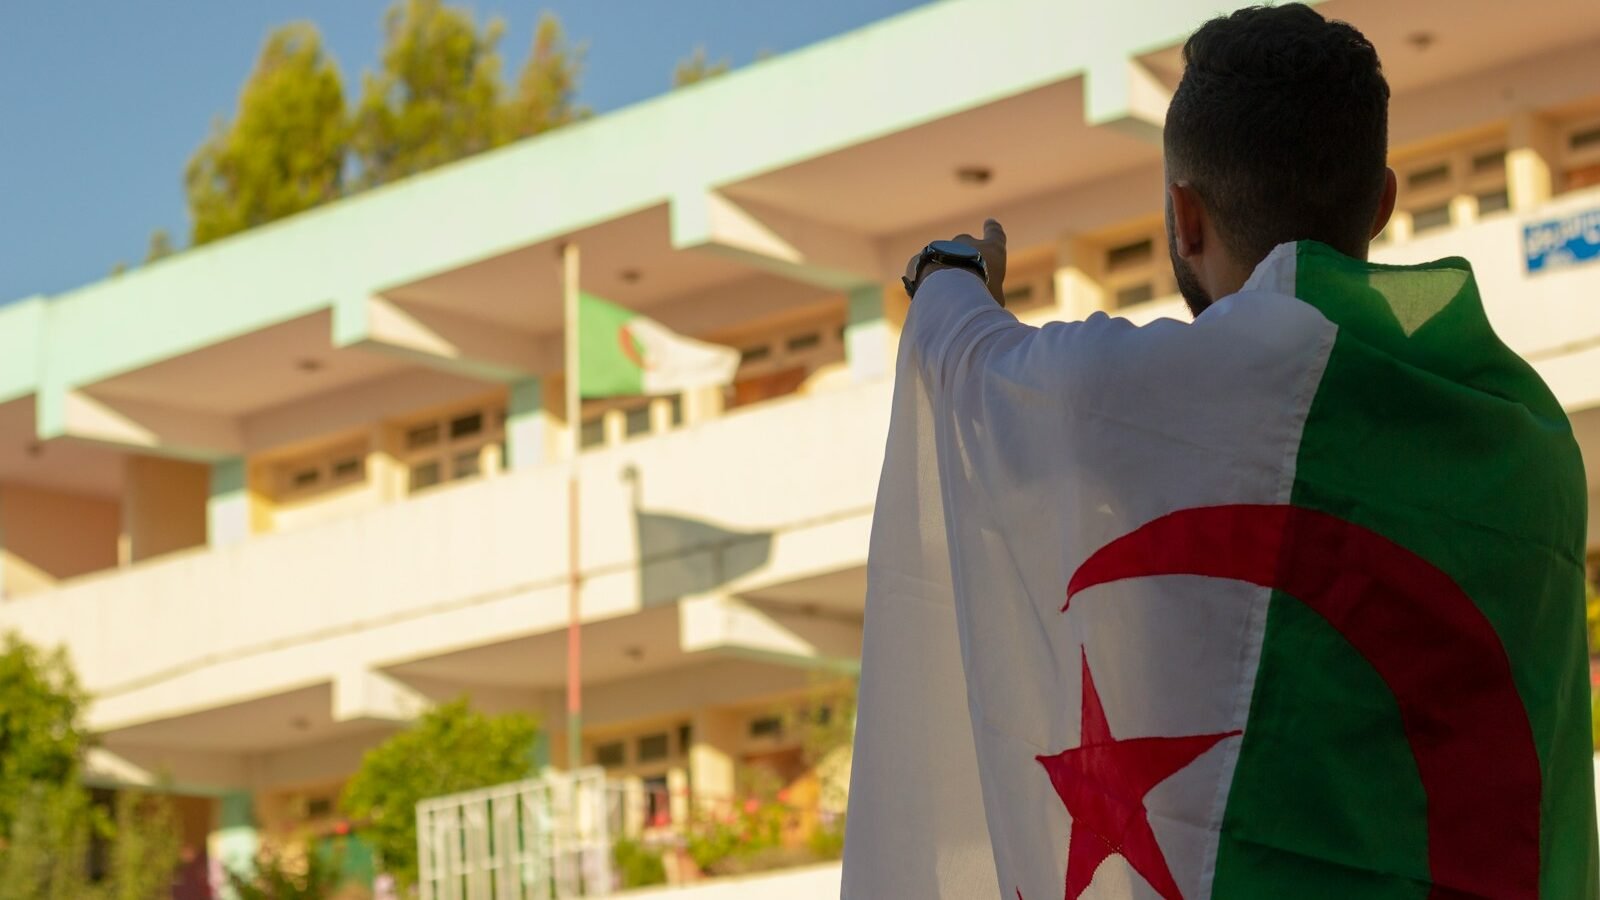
[702, 404]
[713, 757]
[164, 507]
[228, 511]
[527, 421]
[232, 846]
[866, 334]
[1078, 291]
[1463, 210]
[1530, 176]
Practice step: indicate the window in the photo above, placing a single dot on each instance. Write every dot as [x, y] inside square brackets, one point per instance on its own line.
[1132, 272]
[349, 468]
[685, 738]
[636, 421]
[593, 433]
[1139, 293]
[802, 342]
[424, 475]
[1580, 155]
[466, 426]
[422, 436]
[1431, 218]
[766, 727]
[324, 470]
[657, 801]
[654, 748]
[1127, 256]
[779, 361]
[1430, 187]
[1493, 202]
[452, 447]
[611, 755]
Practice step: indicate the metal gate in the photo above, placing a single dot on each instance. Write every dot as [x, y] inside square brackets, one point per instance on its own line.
[546, 838]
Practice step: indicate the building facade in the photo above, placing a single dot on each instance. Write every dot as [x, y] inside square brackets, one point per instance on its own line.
[279, 493]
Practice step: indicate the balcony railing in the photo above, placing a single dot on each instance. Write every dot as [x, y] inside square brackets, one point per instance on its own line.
[768, 494]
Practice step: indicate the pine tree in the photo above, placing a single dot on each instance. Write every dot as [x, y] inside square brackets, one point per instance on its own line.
[696, 68]
[547, 89]
[436, 97]
[285, 149]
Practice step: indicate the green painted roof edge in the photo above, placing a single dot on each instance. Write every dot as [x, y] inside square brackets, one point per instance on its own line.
[918, 66]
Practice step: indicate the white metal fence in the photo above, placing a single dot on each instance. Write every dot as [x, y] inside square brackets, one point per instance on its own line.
[546, 838]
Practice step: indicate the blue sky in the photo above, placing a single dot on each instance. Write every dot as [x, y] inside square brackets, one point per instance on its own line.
[103, 101]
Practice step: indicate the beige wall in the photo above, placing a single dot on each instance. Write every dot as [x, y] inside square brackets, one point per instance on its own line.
[47, 536]
[164, 506]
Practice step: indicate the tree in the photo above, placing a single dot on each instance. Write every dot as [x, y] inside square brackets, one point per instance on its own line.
[160, 245]
[696, 68]
[285, 150]
[451, 748]
[436, 97]
[48, 821]
[42, 741]
[547, 89]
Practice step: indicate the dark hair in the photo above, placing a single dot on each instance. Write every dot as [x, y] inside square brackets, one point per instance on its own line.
[1281, 125]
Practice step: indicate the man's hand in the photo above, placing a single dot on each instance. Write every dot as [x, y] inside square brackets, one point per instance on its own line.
[993, 248]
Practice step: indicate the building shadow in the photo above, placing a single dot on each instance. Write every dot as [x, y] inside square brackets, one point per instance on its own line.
[681, 555]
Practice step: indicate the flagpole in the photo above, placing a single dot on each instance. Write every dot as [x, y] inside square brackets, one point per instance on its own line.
[569, 290]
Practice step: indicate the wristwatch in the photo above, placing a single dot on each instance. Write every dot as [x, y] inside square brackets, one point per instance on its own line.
[954, 254]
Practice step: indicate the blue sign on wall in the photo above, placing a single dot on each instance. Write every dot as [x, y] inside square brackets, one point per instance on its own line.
[1558, 243]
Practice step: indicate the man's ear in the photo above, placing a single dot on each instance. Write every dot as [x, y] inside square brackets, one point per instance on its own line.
[1385, 203]
[1188, 218]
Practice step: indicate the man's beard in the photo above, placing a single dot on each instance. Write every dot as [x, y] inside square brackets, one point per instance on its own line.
[1195, 296]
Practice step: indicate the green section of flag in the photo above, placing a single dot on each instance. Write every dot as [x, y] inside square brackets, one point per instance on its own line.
[606, 367]
[1326, 794]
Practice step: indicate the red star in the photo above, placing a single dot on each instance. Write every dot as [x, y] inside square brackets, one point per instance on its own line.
[1102, 782]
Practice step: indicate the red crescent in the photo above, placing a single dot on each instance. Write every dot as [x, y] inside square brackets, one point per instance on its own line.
[630, 348]
[1426, 639]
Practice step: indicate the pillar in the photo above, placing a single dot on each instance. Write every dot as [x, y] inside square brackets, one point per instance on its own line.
[866, 334]
[232, 846]
[164, 507]
[713, 757]
[228, 505]
[1078, 291]
[527, 422]
[1530, 177]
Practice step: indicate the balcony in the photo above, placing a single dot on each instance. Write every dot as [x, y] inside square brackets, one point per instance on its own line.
[767, 505]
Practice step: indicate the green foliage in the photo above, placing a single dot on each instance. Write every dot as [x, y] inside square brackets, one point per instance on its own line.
[547, 89]
[48, 821]
[46, 849]
[436, 96]
[696, 68]
[285, 150]
[144, 848]
[450, 749]
[640, 866]
[827, 842]
[41, 737]
[160, 245]
[281, 875]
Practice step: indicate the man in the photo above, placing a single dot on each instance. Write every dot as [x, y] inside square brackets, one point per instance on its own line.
[1286, 602]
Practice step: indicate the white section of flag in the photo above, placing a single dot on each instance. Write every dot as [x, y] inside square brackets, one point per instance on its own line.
[1013, 454]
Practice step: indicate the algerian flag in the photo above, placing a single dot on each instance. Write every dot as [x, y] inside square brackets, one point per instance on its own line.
[623, 353]
[1287, 602]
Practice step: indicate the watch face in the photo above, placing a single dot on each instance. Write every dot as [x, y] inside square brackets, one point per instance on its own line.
[956, 249]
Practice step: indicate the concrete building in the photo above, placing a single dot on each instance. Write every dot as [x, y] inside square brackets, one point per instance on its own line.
[277, 493]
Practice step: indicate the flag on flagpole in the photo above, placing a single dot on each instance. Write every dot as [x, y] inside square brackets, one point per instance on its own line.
[1287, 602]
[622, 353]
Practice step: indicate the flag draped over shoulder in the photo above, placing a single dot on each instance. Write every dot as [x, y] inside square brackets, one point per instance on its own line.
[1284, 602]
[622, 353]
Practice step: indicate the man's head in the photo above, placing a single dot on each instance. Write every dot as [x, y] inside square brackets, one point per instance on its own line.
[1278, 132]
